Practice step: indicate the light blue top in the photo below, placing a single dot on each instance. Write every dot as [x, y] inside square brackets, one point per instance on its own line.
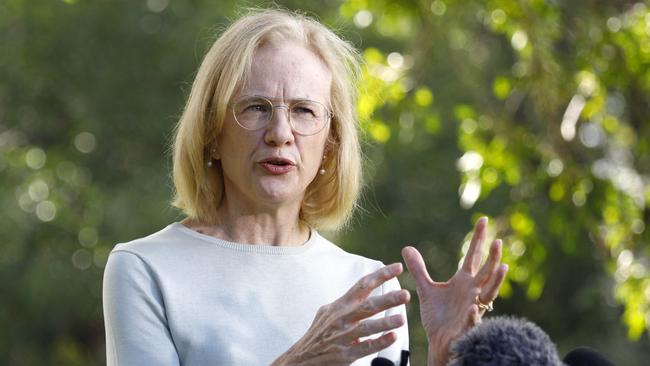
[178, 297]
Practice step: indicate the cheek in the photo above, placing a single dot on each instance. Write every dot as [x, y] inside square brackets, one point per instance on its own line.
[233, 145]
[313, 155]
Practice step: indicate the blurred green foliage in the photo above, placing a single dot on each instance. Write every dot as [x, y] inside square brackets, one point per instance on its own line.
[535, 113]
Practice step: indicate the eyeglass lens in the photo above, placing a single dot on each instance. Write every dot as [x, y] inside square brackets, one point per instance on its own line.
[306, 116]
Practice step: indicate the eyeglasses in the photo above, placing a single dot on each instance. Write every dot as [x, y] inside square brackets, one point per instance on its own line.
[306, 117]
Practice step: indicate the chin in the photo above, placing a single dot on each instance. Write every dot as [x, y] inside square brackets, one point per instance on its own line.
[280, 194]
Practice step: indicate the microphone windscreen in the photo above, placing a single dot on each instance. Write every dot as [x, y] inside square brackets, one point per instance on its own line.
[380, 361]
[584, 356]
[504, 341]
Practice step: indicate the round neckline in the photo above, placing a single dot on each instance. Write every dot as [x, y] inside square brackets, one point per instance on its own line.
[250, 248]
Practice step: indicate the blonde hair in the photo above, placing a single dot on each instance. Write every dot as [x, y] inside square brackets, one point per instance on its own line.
[330, 198]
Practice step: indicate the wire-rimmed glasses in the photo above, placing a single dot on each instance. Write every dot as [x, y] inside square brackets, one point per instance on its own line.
[306, 117]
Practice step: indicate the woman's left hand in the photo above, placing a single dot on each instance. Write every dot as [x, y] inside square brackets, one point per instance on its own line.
[449, 309]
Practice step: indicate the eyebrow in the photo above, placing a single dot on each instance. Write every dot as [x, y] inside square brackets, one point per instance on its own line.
[277, 99]
[289, 101]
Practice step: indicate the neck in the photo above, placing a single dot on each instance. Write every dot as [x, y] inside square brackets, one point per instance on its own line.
[277, 226]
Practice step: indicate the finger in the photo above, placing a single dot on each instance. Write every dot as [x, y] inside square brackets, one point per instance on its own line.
[475, 252]
[376, 304]
[416, 267]
[368, 283]
[491, 264]
[371, 346]
[372, 326]
[491, 289]
[473, 316]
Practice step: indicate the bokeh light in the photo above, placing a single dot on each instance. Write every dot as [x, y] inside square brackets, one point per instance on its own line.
[85, 142]
[35, 158]
[46, 211]
[363, 19]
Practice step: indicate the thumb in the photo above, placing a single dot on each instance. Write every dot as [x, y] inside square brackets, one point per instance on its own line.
[417, 268]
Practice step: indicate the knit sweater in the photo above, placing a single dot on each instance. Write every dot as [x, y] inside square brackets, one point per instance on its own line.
[179, 297]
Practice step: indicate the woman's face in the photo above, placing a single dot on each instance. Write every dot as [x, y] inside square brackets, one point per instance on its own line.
[283, 73]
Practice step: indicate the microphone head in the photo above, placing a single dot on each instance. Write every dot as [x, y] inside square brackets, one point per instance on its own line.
[504, 341]
[585, 356]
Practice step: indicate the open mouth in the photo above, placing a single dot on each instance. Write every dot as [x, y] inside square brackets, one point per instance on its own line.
[278, 163]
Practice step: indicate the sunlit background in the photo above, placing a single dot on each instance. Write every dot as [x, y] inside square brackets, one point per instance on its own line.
[534, 113]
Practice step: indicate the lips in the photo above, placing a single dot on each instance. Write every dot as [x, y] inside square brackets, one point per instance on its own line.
[277, 165]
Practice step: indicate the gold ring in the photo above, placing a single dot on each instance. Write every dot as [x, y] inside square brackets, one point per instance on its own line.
[487, 307]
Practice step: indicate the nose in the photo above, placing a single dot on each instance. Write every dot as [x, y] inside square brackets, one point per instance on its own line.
[279, 131]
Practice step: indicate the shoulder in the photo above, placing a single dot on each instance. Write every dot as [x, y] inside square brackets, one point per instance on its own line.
[153, 257]
[165, 242]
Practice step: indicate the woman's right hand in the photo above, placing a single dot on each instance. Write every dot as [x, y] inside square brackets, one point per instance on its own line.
[333, 337]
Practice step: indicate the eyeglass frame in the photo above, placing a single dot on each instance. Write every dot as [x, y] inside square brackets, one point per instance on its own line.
[232, 104]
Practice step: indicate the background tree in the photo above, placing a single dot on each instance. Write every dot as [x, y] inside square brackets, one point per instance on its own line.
[532, 112]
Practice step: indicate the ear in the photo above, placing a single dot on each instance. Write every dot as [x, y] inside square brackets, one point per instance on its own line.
[327, 150]
[331, 143]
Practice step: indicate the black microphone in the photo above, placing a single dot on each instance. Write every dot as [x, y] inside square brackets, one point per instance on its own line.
[381, 361]
[504, 341]
[584, 356]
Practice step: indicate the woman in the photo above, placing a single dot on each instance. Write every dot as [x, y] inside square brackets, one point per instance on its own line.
[266, 153]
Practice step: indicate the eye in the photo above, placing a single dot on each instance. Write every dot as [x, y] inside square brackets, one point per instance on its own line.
[251, 107]
[305, 110]
[256, 107]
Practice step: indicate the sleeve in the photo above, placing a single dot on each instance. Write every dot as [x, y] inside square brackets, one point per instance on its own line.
[398, 352]
[134, 314]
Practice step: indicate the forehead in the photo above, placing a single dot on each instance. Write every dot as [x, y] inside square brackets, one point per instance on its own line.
[288, 71]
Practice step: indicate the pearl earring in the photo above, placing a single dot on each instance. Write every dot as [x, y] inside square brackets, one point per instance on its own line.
[210, 162]
[322, 170]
